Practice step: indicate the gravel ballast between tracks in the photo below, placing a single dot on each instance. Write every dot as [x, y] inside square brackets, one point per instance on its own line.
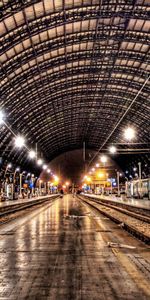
[140, 229]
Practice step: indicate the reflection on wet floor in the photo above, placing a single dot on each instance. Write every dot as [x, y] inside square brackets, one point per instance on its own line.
[51, 256]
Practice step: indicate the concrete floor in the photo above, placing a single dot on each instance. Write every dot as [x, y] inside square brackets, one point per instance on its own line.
[139, 203]
[61, 251]
[6, 203]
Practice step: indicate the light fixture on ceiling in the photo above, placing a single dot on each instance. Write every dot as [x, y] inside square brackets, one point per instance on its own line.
[112, 149]
[129, 133]
[19, 141]
[32, 154]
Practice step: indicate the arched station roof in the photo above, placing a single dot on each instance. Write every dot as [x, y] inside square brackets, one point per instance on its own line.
[70, 69]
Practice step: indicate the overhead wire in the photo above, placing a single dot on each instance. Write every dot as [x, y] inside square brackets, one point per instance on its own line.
[120, 120]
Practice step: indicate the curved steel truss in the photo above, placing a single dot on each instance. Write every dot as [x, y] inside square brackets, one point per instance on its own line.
[70, 69]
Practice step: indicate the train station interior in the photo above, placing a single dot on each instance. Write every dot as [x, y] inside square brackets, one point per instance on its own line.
[74, 149]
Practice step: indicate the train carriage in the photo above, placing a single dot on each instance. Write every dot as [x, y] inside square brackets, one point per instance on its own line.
[138, 188]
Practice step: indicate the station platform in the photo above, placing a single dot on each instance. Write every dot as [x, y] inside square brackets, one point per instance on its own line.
[66, 250]
[139, 203]
[22, 201]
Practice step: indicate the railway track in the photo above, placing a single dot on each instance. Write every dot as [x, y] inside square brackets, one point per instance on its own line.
[11, 212]
[132, 208]
[135, 223]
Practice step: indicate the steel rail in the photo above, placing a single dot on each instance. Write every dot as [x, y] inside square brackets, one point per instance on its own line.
[125, 225]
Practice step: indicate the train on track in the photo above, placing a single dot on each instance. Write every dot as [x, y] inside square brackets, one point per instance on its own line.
[138, 188]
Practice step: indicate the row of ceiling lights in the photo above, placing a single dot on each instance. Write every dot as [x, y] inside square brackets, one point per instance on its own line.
[19, 142]
[129, 134]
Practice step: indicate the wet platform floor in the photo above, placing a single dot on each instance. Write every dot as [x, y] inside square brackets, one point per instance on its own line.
[7, 203]
[138, 203]
[61, 251]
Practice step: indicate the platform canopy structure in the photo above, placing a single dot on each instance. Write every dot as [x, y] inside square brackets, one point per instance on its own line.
[74, 71]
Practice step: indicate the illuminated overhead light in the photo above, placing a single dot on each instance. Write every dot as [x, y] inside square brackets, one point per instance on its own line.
[32, 154]
[129, 133]
[67, 183]
[28, 174]
[112, 149]
[17, 169]
[97, 165]
[136, 174]
[134, 169]
[19, 141]
[127, 172]
[88, 179]
[48, 171]
[64, 186]
[103, 159]
[9, 166]
[1, 117]
[85, 177]
[130, 176]
[40, 162]
[120, 174]
[100, 175]
[44, 167]
[93, 169]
